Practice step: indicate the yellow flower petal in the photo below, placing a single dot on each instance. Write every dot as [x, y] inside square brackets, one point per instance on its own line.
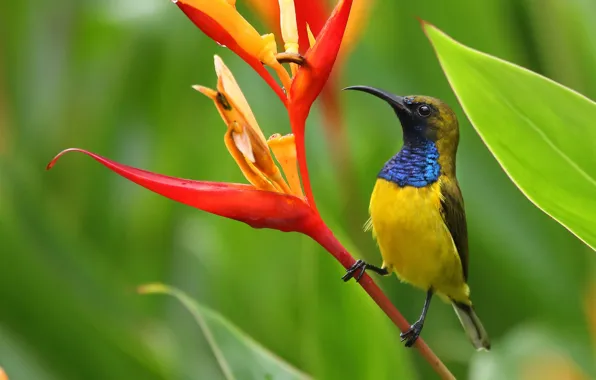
[244, 139]
[311, 37]
[269, 57]
[230, 87]
[289, 29]
[251, 173]
[284, 150]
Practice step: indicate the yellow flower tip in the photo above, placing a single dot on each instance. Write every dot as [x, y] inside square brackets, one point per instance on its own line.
[232, 2]
[220, 66]
[284, 150]
[311, 37]
[3, 375]
[278, 140]
[227, 85]
[269, 49]
[211, 94]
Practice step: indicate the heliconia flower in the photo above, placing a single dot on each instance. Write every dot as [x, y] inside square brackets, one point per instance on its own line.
[244, 139]
[220, 20]
[269, 201]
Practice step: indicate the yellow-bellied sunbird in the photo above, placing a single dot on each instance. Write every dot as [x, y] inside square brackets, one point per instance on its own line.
[417, 212]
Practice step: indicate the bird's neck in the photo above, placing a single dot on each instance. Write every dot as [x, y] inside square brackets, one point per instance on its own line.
[416, 164]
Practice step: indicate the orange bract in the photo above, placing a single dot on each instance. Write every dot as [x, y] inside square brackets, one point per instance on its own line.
[284, 150]
[226, 15]
[244, 139]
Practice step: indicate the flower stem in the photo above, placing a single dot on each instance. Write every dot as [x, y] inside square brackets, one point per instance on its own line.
[323, 235]
[284, 77]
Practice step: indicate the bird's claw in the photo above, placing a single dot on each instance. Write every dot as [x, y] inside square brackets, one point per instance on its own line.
[358, 265]
[412, 334]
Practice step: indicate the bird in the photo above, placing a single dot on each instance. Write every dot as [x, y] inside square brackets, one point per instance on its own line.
[417, 213]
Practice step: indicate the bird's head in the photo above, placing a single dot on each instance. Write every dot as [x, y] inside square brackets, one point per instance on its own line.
[422, 118]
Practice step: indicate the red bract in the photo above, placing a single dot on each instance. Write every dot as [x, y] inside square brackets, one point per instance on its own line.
[257, 208]
[311, 79]
[313, 13]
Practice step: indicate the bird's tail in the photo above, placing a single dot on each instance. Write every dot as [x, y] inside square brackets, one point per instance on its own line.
[472, 326]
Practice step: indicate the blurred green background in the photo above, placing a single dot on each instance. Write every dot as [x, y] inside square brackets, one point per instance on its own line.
[114, 77]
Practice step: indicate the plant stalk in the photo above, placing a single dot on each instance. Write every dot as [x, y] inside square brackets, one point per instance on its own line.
[323, 235]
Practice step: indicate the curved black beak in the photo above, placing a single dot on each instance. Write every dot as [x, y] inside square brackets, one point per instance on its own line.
[397, 102]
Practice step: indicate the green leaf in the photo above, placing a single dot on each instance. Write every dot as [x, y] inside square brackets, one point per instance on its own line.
[542, 133]
[237, 354]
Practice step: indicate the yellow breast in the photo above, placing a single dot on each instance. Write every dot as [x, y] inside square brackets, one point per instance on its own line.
[413, 239]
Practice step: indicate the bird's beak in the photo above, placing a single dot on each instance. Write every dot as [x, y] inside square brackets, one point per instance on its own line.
[397, 102]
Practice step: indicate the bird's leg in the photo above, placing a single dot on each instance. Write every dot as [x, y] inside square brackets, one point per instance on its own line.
[362, 267]
[414, 331]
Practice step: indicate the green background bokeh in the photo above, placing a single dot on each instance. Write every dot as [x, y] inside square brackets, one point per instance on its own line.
[114, 77]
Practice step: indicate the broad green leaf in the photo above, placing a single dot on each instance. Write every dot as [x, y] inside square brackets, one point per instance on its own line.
[542, 133]
[237, 354]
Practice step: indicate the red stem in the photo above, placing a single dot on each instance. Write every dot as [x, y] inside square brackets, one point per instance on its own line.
[298, 117]
[323, 235]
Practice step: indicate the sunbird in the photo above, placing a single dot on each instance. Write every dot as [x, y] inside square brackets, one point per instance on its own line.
[417, 212]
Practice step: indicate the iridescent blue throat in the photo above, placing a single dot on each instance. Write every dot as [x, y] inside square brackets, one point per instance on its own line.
[416, 164]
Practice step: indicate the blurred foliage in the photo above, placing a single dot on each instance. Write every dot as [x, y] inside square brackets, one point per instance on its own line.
[114, 77]
[536, 142]
[237, 355]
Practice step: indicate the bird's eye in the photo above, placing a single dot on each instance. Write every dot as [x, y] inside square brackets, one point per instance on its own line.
[424, 110]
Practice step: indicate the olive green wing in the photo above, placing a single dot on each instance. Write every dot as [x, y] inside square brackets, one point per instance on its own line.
[454, 216]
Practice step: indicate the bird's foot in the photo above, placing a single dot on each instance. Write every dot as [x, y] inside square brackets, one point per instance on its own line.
[412, 334]
[358, 266]
[362, 267]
